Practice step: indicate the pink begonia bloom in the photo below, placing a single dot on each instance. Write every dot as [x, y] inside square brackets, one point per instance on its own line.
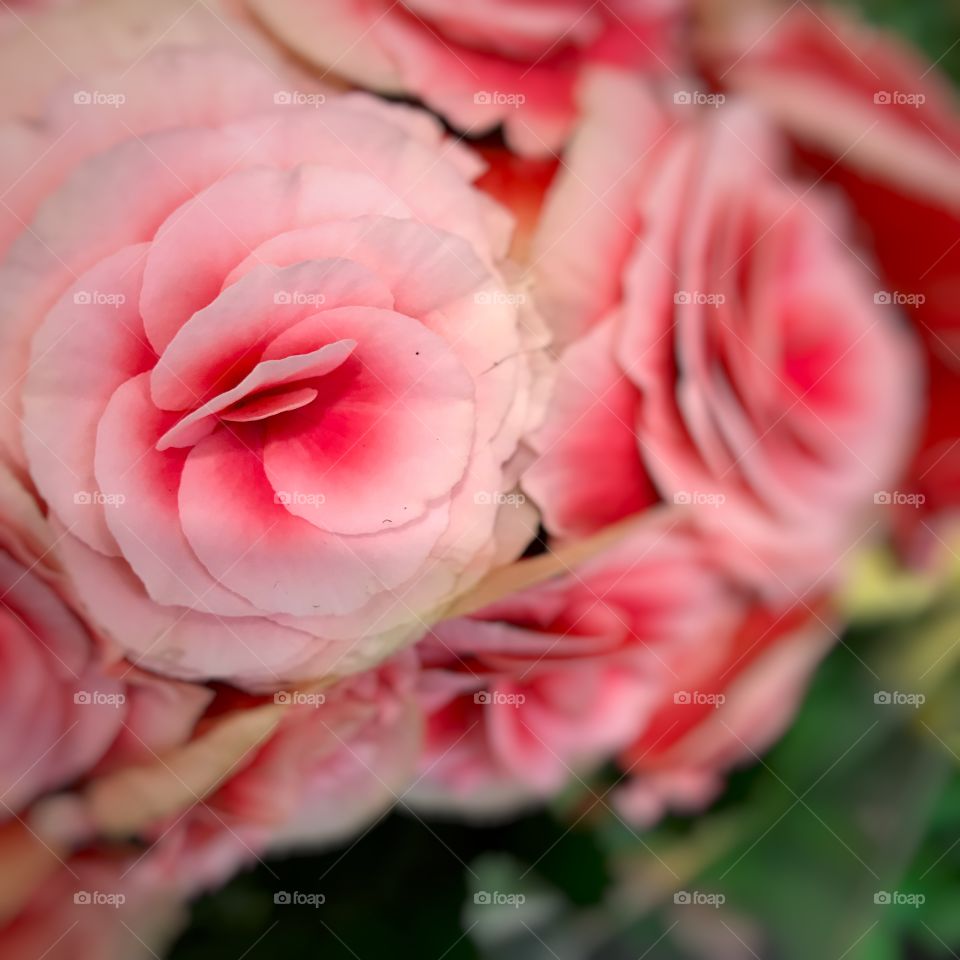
[261, 358]
[724, 347]
[891, 142]
[67, 710]
[483, 63]
[540, 689]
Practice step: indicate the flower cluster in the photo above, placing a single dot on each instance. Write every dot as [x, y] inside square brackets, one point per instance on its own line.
[445, 451]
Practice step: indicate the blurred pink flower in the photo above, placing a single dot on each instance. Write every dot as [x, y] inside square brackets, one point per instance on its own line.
[725, 350]
[485, 63]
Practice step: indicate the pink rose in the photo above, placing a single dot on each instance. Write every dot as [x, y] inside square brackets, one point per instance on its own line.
[484, 63]
[544, 687]
[725, 350]
[272, 377]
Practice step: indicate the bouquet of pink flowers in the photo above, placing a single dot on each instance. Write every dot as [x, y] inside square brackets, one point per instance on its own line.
[435, 403]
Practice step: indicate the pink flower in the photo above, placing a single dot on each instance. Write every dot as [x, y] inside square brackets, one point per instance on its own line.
[890, 141]
[339, 759]
[735, 702]
[100, 904]
[544, 687]
[58, 709]
[67, 711]
[484, 63]
[725, 350]
[270, 374]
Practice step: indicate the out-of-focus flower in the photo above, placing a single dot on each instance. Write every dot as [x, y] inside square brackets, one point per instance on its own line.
[542, 688]
[485, 63]
[725, 351]
[891, 142]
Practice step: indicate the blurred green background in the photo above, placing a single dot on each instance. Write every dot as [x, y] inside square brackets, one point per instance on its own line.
[843, 843]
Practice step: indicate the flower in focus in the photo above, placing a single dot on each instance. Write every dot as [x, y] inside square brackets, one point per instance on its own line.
[299, 319]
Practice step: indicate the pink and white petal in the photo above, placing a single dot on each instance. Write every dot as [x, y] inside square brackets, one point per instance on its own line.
[402, 406]
[266, 375]
[592, 420]
[253, 652]
[224, 341]
[280, 563]
[90, 343]
[88, 219]
[142, 515]
[202, 241]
